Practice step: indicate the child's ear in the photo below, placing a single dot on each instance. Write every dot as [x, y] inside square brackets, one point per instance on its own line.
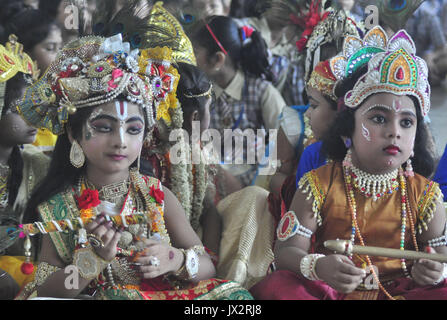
[194, 116]
[219, 60]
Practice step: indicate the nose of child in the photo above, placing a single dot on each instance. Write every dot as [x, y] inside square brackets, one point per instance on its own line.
[119, 141]
[394, 131]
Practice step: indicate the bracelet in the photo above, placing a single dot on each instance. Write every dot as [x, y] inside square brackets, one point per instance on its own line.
[439, 241]
[308, 264]
[290, 226]
[190, 266]
[3, 274]
[88, 263]
[443, 276]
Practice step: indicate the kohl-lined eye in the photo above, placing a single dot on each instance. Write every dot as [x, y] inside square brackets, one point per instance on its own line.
[407, 123]
[135, 130]
[101, 127]
[378, 119]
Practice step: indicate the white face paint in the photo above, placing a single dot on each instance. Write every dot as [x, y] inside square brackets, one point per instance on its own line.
[365, 133]
[121, 113]
[396, 107]
[375, 106]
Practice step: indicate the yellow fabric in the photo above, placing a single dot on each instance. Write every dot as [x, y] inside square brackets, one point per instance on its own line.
[12, 266]
[45, 140]
[247, 239]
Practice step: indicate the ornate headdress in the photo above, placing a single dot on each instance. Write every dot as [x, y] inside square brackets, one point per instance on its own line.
[357, 52]
[323, 80]
[322, 27]
[91, 71]
[392, 67]
[12, 61]
[166, 31]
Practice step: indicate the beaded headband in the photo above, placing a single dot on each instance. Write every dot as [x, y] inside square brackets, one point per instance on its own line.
[204, 94]
[91, 71]
[12, 61]
[392, 67]
[323, 80]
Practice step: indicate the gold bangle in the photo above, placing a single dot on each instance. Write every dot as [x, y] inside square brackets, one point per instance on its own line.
[182, 268]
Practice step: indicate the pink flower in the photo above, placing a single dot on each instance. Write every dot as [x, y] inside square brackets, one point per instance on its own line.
[116, 73]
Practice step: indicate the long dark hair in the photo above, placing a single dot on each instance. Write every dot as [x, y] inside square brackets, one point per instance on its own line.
[192, 81]
[344, 125]
[251, 57]
[31, 26]
[14, 88]
[50, 7]
[61, 174]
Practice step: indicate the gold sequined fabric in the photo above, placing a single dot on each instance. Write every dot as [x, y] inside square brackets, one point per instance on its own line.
[166, 31]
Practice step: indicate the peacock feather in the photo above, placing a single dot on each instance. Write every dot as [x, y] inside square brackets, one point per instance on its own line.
[394, 13]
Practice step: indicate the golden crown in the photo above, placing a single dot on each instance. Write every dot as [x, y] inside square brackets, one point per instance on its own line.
[166, 31]
[12, 61]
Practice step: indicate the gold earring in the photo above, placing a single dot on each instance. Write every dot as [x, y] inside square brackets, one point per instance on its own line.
[77, 157]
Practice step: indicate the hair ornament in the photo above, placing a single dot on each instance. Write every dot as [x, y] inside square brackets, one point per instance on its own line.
[246, 32]
[204, 94]
[215, 39]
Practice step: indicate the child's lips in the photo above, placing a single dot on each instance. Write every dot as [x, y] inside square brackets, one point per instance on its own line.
[117, 157]
[392, 149]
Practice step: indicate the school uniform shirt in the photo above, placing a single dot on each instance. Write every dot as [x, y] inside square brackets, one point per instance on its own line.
[246, 103]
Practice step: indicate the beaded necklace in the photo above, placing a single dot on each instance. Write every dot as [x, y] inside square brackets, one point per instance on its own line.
[374, 186]
[350, 185]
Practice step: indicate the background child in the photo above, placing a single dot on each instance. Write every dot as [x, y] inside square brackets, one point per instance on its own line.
[374, 136]
[235, 59]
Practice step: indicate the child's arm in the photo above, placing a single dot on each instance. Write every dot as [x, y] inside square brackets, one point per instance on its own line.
[429, 272]
[183, 236]
[54, 285]
[336, 270]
